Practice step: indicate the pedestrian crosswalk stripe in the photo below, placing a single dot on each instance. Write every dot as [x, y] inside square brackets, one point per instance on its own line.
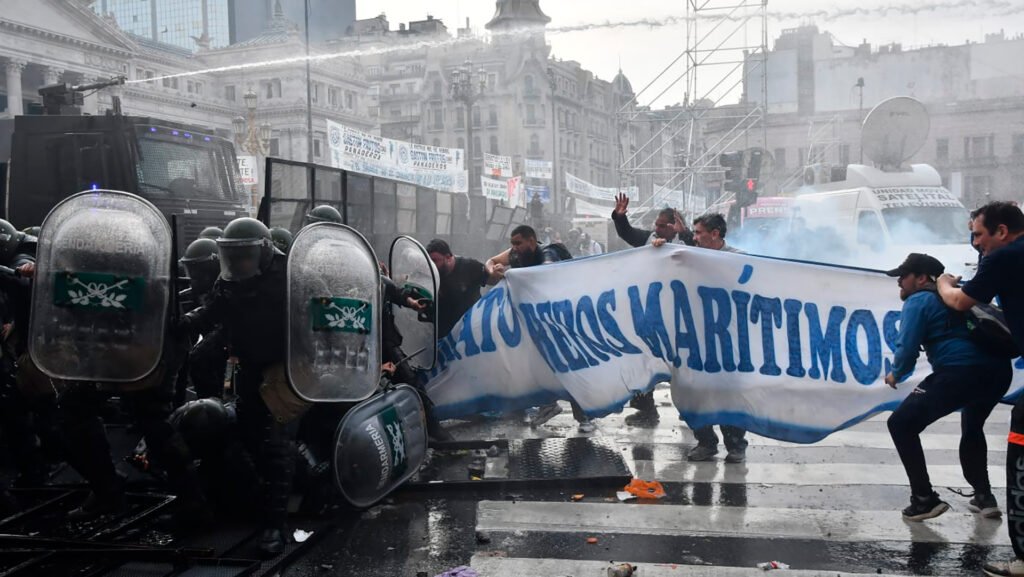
[520, 567]
[750, 522]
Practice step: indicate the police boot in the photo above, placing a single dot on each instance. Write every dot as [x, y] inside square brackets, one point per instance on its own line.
[279, 468]
[90, 454]
[647, 411]
[192, 511]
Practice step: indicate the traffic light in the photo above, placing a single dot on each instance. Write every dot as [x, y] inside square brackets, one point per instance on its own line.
[732, 162]
[748, 195]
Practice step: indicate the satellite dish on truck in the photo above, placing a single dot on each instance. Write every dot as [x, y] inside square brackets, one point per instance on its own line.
[894, 131]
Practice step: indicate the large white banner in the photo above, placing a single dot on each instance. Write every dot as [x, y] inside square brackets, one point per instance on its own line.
[427, 166]
[580, 187]
[539, 169]
[498, 166]
[788, 350]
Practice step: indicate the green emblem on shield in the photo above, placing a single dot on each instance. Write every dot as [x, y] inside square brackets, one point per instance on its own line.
[342, 315]
[98, 291]
[396, 438]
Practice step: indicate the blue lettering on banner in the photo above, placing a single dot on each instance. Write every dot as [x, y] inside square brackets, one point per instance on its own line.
[826, 347]
[865, 372]
[684, 320]
[717, 317]
[769, 313]
[649, 324]
[573, 335]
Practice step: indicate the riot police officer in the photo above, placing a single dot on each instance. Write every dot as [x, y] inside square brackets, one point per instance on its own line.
[282, 238]
[27, 406]
[211, 232]
[207, 359]
[324, 213]
[248, 300]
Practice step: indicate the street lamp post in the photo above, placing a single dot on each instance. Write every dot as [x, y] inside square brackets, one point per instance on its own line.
[555, 198]
[468, 92]
[252, 138]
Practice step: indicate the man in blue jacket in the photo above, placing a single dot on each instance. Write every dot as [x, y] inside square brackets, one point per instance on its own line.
[964, 377]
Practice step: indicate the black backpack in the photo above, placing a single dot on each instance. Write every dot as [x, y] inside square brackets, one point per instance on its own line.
[987, 327]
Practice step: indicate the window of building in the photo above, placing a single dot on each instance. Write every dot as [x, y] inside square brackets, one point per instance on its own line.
[444, 213]
[316, 147]
[315, 93]
[476, 116]
[492, 115]
[229, 93]
[437, 89]
[373, 71]
[528, 84]
[780, 158]
[531, 114]
[494, 144]
[191, 87]
[275, 147]
[492, 82]
[199, 87]
[333, 96]
[350, 100]
[1018, 144]
[438, 118]
[460, 143]
[436, 142]
[535, 145]
[460, 117]
[978, 146]
[477, 149]
[942, 149]
[406, 205]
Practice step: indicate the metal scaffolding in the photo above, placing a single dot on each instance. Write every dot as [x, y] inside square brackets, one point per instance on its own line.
[665, 151]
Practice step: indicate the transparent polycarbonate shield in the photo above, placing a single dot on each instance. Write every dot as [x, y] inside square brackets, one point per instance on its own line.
[333, 315]
[102, 288]
[379, 445]
[414, 272]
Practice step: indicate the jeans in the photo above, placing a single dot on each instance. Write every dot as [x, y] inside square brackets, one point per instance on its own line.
[975, 390]
[735, 437]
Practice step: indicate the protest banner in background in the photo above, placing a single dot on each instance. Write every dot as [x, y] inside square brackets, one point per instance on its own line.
[427, 166]
[788, 350]
[498, 166]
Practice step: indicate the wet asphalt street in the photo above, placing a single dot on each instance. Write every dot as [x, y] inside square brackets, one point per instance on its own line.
[826, 509]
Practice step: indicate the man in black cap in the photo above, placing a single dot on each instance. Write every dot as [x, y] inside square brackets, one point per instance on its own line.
[964, 377]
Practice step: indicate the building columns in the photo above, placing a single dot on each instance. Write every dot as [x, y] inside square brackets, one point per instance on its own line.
[13, 68]
[51, 75]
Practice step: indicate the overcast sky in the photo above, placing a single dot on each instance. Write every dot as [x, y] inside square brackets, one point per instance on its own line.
[644, 50]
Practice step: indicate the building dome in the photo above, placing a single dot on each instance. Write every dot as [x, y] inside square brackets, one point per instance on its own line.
[517, 14]
[622, 84]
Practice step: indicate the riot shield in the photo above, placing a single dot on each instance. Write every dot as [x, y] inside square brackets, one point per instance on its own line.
[379, 444]
[412, 270]
[333, 315]
[102, 289]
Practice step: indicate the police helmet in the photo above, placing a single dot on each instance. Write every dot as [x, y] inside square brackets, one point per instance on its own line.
[212, 232]
[10, 238]
[245, 250]
[202, 263]
[203, 423]
[323, 213]
[282, 238]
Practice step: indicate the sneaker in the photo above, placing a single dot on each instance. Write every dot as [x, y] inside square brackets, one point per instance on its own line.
[702, 453]
[587, 426]
[648, 419]
[735, 456]
[545, 414]
[1013, 568]
[985, 505]
[922, 508]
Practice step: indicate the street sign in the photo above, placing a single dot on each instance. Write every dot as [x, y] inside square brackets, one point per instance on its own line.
[249, 170]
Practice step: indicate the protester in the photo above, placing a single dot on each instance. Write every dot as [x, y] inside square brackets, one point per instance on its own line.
[669, 226]
[964, 377]
[459, 287]
[589, 246]
[527, 252]
[998, 230]
[709, 232]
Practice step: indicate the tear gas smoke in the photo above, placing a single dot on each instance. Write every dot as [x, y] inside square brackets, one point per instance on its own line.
[989, 7]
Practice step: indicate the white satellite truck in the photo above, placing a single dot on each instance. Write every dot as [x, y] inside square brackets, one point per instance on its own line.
[882, 213]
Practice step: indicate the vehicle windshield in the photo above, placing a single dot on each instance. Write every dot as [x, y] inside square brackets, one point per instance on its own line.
[927, 224]
[182, 168]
